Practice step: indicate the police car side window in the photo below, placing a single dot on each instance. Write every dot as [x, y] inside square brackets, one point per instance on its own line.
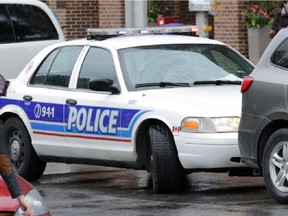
[31, 23]
[280, 56]
[98, 64]
[39, 76]
[57, 68]
[62, 67]
[6, 32]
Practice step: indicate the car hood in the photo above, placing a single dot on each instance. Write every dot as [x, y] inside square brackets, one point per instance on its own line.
[201, 101]
[7, 204]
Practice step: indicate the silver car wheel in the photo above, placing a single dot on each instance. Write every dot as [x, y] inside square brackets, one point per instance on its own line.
[278, 166]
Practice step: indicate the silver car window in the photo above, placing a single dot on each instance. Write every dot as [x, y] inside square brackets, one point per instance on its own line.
[280, 55]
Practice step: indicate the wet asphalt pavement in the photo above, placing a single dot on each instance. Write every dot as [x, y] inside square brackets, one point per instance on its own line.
[93, 190]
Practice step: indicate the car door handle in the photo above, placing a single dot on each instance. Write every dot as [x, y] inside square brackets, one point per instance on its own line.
[27, 98]
[72, 102]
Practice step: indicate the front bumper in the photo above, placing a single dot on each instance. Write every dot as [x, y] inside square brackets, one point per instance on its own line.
[208, 150]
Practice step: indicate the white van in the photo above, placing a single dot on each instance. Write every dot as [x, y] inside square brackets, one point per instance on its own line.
[26, 27]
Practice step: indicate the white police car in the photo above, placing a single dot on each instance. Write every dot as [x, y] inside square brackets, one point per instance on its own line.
[168, 104]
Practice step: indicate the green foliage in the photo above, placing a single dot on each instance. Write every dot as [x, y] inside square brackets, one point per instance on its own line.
[259, 14]
[158, 8]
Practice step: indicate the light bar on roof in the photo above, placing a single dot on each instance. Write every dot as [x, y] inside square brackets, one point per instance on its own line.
[93, 33]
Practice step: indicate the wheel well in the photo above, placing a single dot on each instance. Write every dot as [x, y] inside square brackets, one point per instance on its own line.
[5, 116]
[143, 145]
[266, 133]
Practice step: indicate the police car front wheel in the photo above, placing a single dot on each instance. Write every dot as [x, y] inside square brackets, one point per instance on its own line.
[166, 169]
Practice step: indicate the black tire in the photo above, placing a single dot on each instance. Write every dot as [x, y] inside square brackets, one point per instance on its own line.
[275, 165]
[166, 170]
[23, 156]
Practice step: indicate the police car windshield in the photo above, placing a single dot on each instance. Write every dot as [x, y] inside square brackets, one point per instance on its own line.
[181, 63]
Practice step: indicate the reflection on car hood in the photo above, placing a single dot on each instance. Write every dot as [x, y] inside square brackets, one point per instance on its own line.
[208, 100]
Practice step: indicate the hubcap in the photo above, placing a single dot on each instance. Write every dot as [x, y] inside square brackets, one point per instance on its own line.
[278, 166]
[15, 150]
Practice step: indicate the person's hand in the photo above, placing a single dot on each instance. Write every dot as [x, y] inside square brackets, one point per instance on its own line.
[272, 34]
[26, 206]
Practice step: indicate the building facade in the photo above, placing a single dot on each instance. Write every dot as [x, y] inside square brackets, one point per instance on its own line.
[76, 16]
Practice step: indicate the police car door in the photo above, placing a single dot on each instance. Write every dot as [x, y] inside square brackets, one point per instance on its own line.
[92, 117]
[48, 90]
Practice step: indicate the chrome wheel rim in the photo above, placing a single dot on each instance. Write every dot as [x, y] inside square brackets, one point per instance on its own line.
[278, 166]
[15, 150]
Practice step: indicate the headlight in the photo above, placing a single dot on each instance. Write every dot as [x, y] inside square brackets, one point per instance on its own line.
[210, 125]
[37, 203]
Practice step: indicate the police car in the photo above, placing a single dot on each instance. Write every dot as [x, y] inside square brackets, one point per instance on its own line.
[168, 104]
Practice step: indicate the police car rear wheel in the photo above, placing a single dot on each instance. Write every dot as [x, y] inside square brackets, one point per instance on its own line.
[23, 156]
[275, 165]
[166, 169]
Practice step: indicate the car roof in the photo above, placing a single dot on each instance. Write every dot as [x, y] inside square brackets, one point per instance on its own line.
[265, 60]
[121, 42]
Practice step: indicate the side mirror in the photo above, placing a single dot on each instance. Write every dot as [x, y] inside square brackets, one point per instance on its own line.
[103, 85]
[3, 85]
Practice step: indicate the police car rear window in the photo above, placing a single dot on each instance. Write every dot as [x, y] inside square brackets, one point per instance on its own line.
[57, 68]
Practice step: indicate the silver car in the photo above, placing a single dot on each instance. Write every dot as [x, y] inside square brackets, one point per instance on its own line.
[263, 130]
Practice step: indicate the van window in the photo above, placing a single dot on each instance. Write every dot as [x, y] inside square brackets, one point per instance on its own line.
[6, 32]
[31, 23]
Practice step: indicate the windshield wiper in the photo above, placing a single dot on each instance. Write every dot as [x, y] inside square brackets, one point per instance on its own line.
[162, 84]
[218, 82]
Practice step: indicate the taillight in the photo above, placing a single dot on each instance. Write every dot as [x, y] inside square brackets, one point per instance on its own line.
[246, 84]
